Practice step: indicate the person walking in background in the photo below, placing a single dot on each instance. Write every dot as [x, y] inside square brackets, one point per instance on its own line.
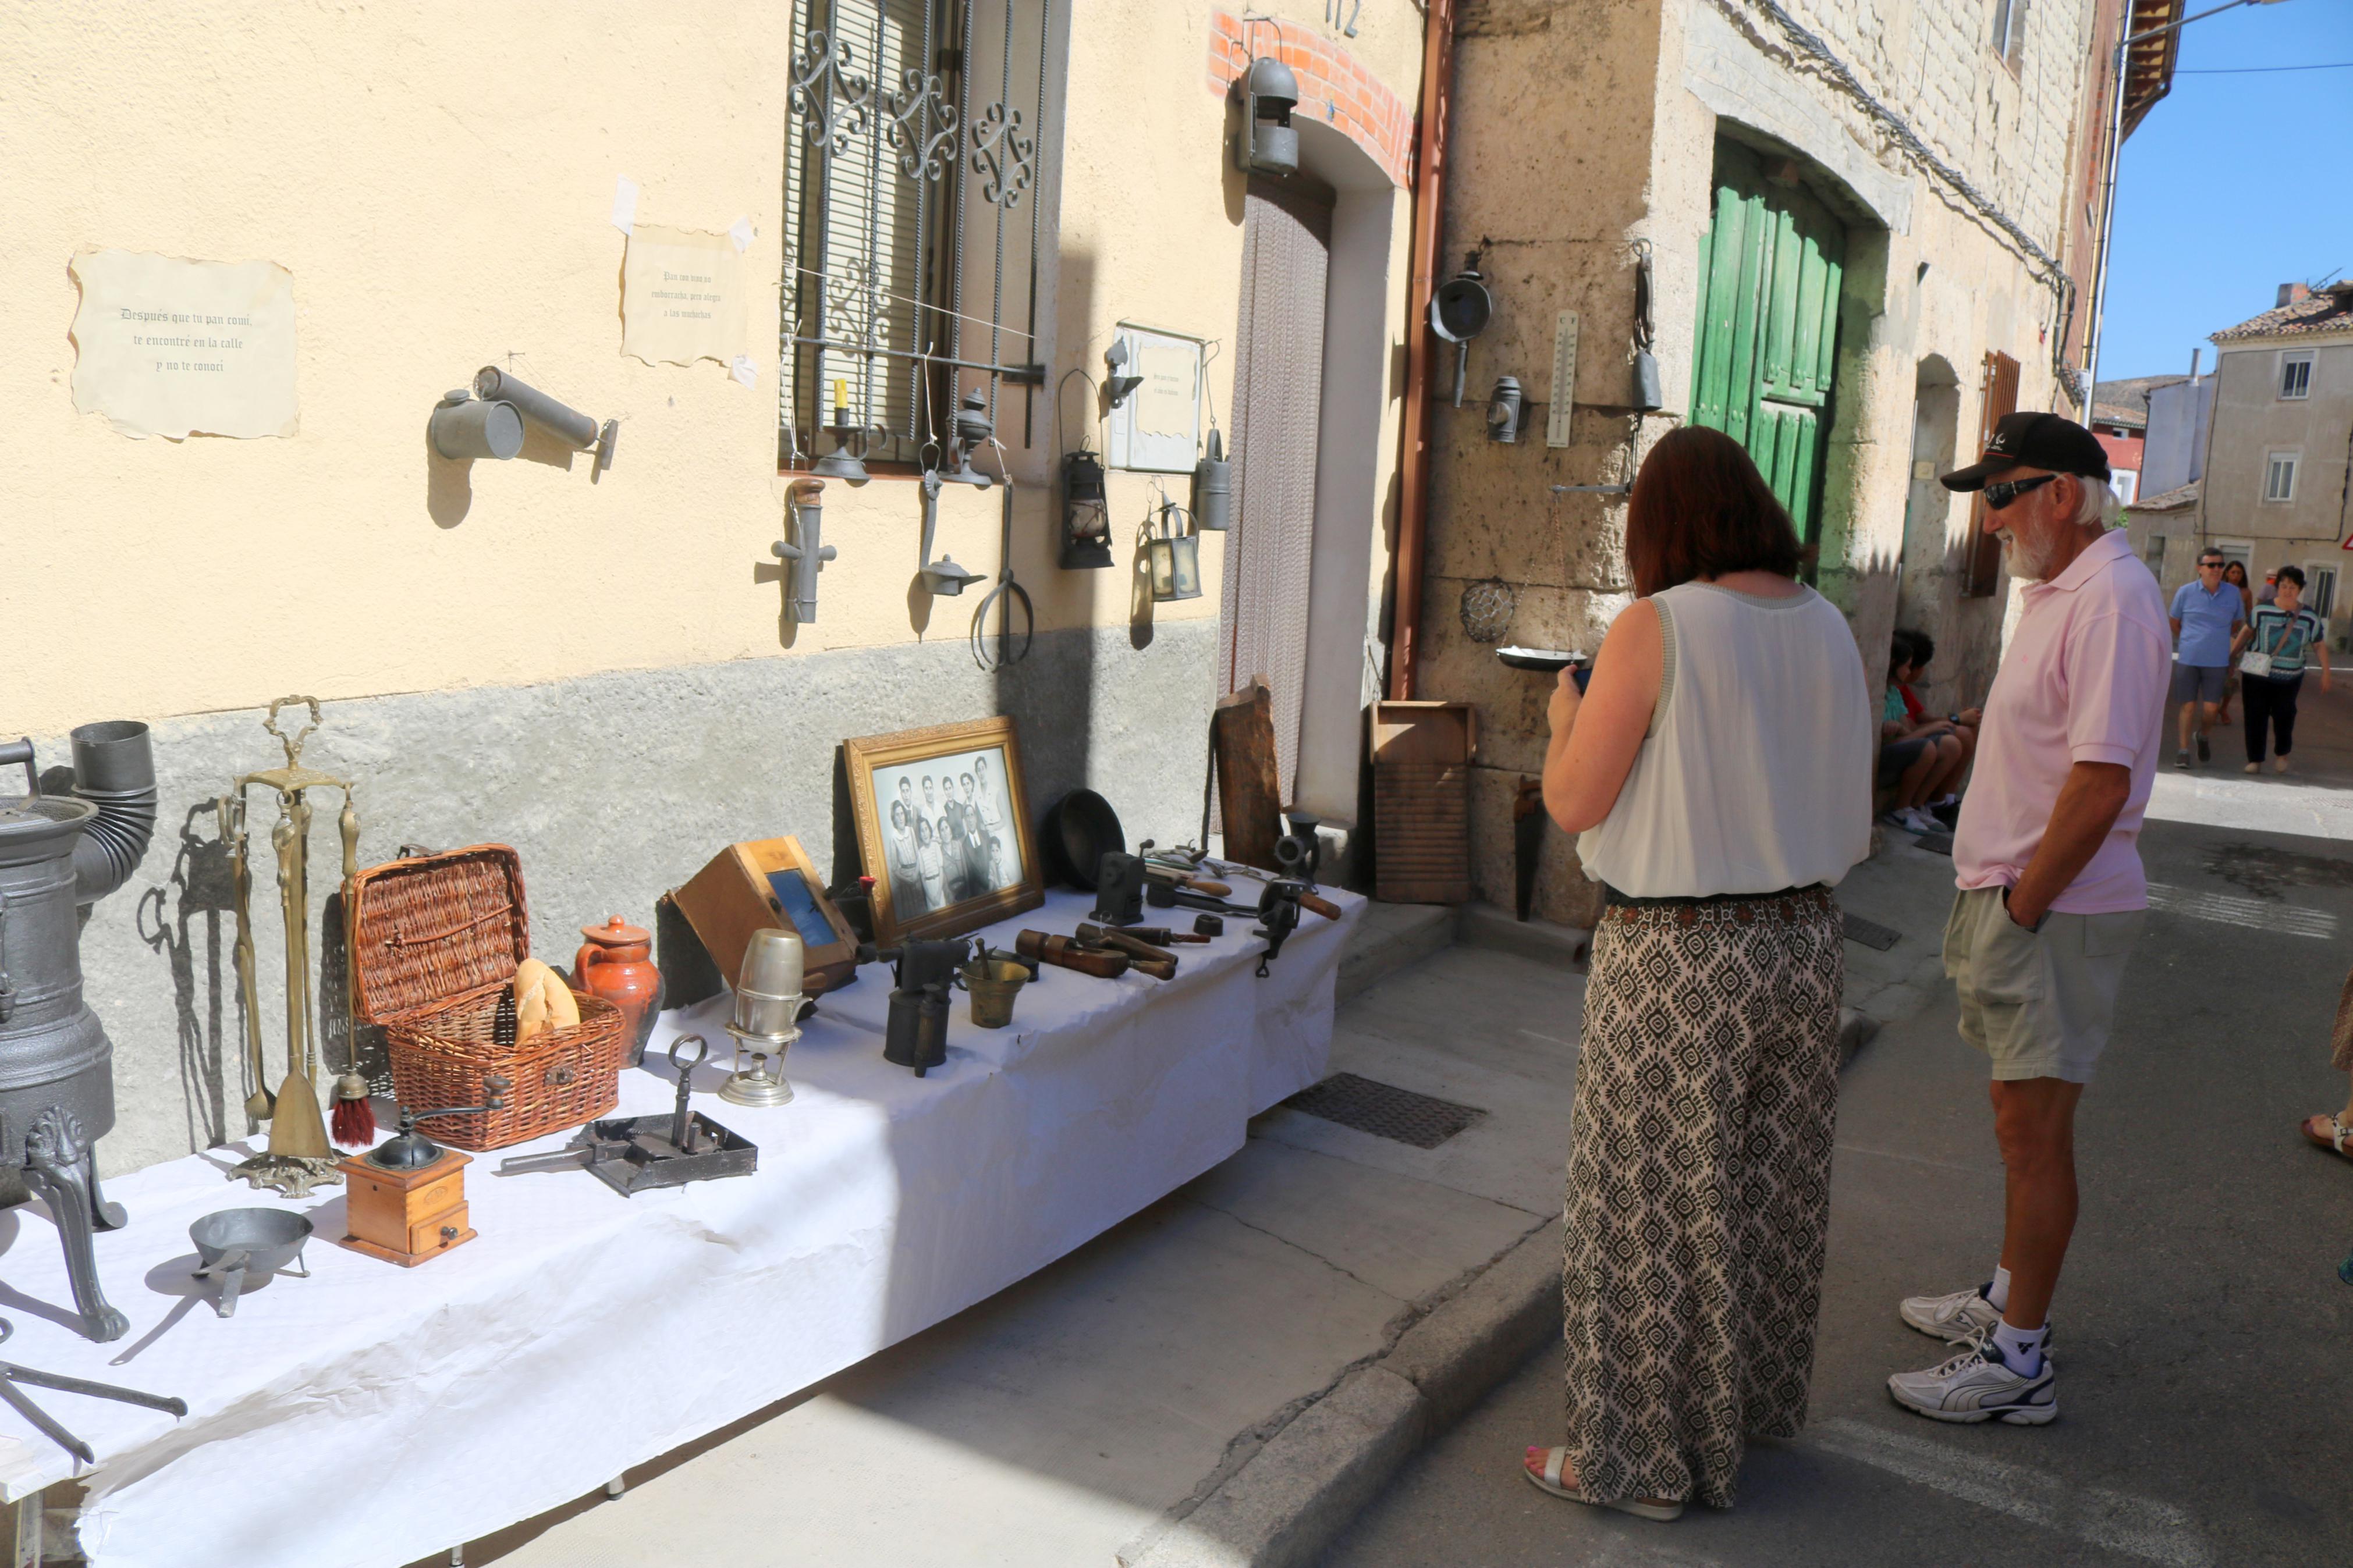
[1718, 775]
[1912, 757]
[2052, 896]
[2235, 574]
[2281, 640]
[2204, 617]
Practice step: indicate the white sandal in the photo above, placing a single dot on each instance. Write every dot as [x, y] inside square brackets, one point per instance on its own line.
[2339, 1135]
[1550, 1481]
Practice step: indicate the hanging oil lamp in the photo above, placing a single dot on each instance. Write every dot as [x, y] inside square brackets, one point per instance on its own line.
[1173, 555]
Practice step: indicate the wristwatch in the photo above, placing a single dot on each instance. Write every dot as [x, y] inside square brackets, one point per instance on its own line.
[2042, 920]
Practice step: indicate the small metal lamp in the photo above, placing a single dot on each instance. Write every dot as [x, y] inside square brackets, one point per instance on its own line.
[1268, 142]
[842, 463]
[1213, 488]
[1173, 558]
[767, 1018]
[1504, 408]
[1086, 516]
[1118, 388]
[973, 431]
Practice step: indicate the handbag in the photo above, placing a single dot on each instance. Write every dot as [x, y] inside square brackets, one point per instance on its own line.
[2256, 661]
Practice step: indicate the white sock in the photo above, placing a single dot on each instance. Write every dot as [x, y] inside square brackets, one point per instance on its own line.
[1999, 1292]
[2021, 1347]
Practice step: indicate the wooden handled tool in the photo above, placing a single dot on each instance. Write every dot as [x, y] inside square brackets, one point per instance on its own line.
[1322, 906]
[1065, 953]
[1164, 936]
[1127, 942]
[1190, 883]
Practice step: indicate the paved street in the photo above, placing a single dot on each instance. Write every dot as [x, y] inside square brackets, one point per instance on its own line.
[2201, 1324]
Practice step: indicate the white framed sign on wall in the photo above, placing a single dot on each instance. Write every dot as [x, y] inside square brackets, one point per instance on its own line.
[1157, 430]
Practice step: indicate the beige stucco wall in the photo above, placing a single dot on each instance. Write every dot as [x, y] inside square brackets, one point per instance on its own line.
[439, 179]
[2250, 422]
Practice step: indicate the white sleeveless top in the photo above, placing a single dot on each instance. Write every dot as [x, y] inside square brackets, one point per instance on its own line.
[1757, 773]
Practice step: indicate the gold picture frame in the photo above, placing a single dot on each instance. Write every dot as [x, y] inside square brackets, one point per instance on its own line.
[943, 828]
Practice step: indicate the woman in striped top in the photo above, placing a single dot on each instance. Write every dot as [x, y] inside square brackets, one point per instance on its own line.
[2292, 636]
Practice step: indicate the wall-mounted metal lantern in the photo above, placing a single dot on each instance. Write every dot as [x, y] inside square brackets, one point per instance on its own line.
[1213, 488]
[1267, 143]
[566, 424]
[1650, 397]
[1173, 558]
[806, 549]
[973, 429]
[1505, 409]
[466, 429]
[1086, 516]
[1460, 311]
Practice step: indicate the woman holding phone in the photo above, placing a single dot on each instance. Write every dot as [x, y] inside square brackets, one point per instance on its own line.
[1717, 771]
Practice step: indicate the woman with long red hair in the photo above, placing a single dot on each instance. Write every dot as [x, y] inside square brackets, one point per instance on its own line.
[1718, 774]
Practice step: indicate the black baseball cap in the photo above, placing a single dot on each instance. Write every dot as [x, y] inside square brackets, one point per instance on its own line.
[2034, 441]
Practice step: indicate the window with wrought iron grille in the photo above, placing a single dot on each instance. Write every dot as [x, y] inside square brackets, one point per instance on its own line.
[918, 152]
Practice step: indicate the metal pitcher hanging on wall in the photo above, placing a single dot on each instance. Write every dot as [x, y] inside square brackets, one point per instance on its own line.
[299, 1157]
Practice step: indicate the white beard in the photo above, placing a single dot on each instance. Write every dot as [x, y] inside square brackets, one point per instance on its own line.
[2025, 562]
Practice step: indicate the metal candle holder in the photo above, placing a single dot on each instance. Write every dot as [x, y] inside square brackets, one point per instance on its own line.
[299, 1157]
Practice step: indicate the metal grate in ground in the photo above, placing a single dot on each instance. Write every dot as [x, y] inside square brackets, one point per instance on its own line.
[1384, 1111]
[1870, 933]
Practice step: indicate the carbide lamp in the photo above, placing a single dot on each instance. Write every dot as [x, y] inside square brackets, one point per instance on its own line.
[767, 1018]
[1086, 516]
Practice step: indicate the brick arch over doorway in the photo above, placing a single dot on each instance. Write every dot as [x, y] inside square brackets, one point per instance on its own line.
[1333, 88]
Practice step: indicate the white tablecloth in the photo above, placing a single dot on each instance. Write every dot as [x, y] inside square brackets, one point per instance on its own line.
[372, 1415]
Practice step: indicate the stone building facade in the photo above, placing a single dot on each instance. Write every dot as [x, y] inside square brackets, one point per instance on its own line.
[1892, 190]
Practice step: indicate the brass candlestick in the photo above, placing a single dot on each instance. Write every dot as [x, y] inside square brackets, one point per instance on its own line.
[299, 1157]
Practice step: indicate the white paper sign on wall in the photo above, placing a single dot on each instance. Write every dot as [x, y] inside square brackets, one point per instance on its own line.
[164, 346]
[684, 296]
[1157, 428]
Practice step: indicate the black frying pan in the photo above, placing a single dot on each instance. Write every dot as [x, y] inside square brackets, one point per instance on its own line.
[1080, 828]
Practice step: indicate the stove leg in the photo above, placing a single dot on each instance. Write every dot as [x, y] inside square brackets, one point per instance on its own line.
[103, 1216]
[60, 1167]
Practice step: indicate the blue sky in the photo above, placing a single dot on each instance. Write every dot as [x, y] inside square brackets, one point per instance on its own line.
[2233, 184]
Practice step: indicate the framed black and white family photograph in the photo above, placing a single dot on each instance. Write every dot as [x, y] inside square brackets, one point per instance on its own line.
[943, 827]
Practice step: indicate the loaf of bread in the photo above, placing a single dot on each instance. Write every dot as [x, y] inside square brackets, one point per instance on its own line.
[541, 1001]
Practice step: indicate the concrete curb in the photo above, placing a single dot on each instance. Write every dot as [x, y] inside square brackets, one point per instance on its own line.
[1287, 1502]
[1484, 925]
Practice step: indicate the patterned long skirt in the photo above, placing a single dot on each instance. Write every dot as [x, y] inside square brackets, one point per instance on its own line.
[1699, 1180]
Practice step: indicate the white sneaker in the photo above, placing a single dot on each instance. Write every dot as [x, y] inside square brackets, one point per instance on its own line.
[1963, 1315]
[1978, 1386]
[1919, 821]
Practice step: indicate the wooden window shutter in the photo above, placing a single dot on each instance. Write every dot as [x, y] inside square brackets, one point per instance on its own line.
[1984, 550]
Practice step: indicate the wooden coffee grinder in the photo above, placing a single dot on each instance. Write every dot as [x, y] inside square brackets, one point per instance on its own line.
[405, 1198]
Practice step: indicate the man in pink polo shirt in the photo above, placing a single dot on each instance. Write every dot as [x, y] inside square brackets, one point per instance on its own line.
[2051, 898]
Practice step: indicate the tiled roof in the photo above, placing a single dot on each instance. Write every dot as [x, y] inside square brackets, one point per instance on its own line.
[2329, 309]
[2171, 501]
[2125, 401]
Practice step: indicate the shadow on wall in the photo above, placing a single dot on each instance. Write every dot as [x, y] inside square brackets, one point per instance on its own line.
[181, 921]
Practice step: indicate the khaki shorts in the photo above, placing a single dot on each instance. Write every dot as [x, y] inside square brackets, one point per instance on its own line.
[2039, 1003]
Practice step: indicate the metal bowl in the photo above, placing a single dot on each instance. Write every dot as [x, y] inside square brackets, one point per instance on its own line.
[236, 1245]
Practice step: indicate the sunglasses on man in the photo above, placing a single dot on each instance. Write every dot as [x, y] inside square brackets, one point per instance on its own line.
[2210, 565]
[2001, 492]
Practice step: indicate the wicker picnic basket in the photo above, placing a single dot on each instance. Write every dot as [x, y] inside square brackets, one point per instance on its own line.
[435, 939]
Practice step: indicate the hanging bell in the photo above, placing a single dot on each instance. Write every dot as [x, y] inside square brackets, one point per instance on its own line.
[1213, 488]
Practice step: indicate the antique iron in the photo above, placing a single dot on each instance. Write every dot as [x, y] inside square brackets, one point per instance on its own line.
[237, 1245]
[59, 854]
[632, 1154]
[299, 1157]
[768, 996]
[12, 1375]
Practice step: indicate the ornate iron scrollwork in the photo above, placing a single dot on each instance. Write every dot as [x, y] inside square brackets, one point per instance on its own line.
[855, 309]
[921, 157]
[828, 93]
[1003, 155]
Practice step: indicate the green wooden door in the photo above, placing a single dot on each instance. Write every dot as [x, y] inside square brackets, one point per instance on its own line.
[1761, 372]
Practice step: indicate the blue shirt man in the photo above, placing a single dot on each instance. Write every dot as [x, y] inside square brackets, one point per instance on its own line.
[2205, 614]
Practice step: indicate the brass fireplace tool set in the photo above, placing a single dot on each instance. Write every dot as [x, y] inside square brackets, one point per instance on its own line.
[299, 1157]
